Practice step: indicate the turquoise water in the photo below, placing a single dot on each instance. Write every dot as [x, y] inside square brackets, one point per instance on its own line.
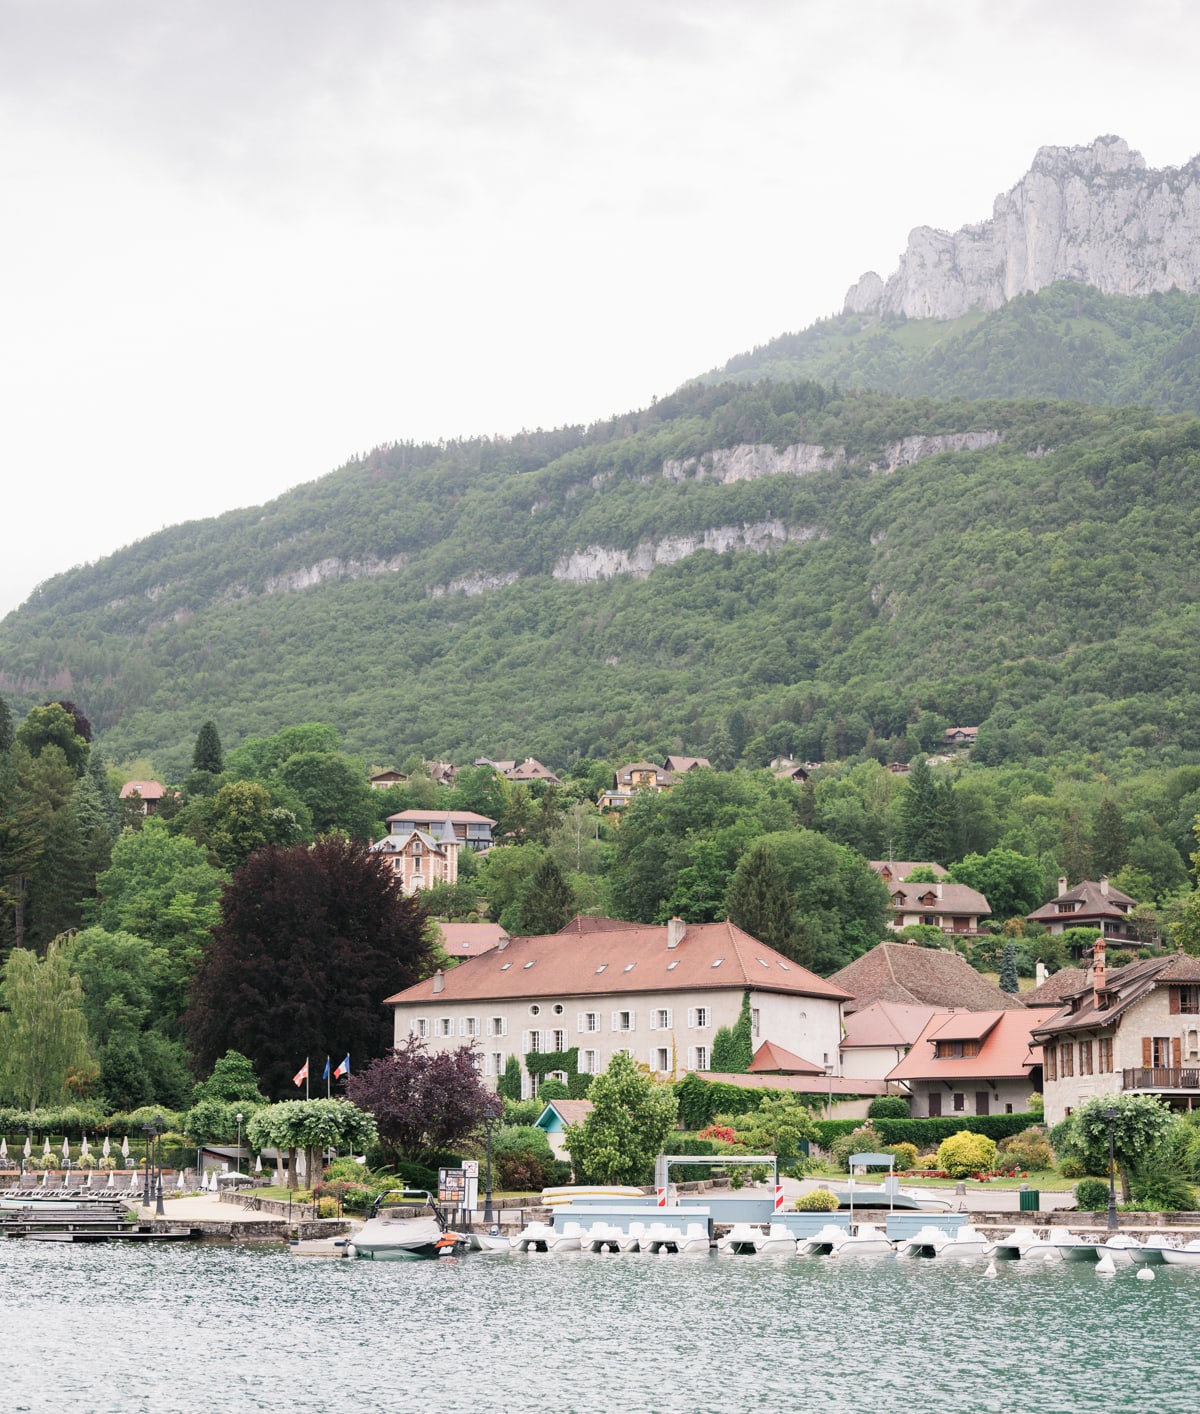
[166, 1328]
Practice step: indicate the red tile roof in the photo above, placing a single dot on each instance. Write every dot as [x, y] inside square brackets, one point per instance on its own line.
[146, 790]
[1122, 987]
[630, 959]
[885, 1024]
[1056, 988]
[902, 868]
[470, 939]
[1007, 1049]
[774, 1058]
[903, 972]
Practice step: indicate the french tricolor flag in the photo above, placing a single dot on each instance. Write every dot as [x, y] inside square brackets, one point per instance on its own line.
[343, 1069]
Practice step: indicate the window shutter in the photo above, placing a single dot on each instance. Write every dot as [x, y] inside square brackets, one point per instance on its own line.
[691, 1016]
[1147, 1053]
[616, 1021]
[579, 1021]
[1173, 1004]
[504, 1026]
[670, 1017]
[633, 1021]
[525, 1046]
[1176, 1052]
[653, 1020]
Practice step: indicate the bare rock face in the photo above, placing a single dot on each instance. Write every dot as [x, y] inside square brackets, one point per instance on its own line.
[1094, 214]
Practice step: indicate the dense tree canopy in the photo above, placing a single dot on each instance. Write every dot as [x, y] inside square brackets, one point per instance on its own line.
[310, 942]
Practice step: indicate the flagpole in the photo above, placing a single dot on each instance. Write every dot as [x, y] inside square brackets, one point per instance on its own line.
[306, 1077]
[328, 1082]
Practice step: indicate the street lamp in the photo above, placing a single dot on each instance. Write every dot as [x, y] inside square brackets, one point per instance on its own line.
[489, 1124]
[239, 1147]
[1110, 1116]
[147, 1140]
[158, 1134]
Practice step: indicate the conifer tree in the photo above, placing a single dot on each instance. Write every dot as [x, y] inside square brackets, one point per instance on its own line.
[547, 903]
[509, 1084]
[1008, 968]
[723, 1053]
[1110, 844]
[743, 1037]
[207, 754]
[760, 902]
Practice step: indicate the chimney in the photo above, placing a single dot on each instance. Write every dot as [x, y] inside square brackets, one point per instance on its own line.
[676, 928]
[502, 944]
[1062, 885]
[1104, 885]
[439, 980]
[937, 891]
[1040, 973]
[1098, 969]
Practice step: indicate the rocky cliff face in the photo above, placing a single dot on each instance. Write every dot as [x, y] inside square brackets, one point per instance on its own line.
[1095, 214]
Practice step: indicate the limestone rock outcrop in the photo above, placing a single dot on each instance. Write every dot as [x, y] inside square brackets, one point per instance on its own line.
[1094, 214]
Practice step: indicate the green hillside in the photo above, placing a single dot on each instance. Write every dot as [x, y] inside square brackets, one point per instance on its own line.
[1044, 587]
[1067, 341]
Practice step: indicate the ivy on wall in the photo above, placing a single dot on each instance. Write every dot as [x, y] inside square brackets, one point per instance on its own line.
[542, 1063]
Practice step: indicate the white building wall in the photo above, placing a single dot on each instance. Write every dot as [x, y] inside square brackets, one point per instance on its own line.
[1006, 1092]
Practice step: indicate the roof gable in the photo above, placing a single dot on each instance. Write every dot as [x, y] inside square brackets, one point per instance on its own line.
[916, 976]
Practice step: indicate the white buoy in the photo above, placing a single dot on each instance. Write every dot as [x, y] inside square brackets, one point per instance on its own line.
[990, 1270]
[1145, 1274]
[1106, 1267]
[1050, 1257]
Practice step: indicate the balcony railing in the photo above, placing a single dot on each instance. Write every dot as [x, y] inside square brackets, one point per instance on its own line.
[1161, 1077]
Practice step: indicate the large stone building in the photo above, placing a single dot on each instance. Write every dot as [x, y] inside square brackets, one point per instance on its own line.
[603, 986]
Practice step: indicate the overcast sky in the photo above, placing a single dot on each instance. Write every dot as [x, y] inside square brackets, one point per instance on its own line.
[243, 240]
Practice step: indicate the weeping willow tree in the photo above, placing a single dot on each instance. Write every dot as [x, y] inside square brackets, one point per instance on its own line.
[43, 1033]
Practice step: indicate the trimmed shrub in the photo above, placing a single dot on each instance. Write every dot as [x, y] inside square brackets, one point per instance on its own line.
[863, 1140]
[965, 1153]
[1028, 1150]
[1091, 1195]
[906, 1155]
[927, 1133]
[820, 1200]
[522, 1160]
[888, 1107]
[327, 1207]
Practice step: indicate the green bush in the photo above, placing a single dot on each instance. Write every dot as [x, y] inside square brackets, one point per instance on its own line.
[410, 1175]
[327, 1207]
[522, 1160]
[1030, 1150]
[863, 1140]
[819, 1200]
[906, 1155]
[552, 1090]
[1091, 1195]
[888, 1107]
[928, 1133]
[965, 1153]
[1157, 1189]
[1072, 1168]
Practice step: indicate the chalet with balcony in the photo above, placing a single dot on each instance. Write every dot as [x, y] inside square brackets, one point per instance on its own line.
[1134, 1029]
[960, 737]
[1092, 904]
[638, 775]
[954, 908]
[895, 871]
[681, 765]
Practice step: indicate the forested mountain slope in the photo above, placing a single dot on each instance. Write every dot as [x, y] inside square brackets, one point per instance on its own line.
[1067, 341]
[553, 594]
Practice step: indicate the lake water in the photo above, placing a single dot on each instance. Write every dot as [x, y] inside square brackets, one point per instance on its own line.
[96, 1328]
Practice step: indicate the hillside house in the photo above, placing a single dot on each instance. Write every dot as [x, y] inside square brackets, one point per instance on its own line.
[960, 737]
[972, 1063]
[147, 793]
[384, 780]
[896, 871]
[531, 770]
[638, 775]
[657, 993]
[1092, 904]
[472, 831]
[954, 908]
[681, 765]
[419, 859]
[785, 768]
[1136, 1029]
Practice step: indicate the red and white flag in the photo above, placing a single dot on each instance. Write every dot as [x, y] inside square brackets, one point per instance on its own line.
[302, 1074]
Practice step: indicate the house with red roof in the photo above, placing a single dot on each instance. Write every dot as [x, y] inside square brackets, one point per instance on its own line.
[972, 1063]
[878, 1036]
[659, 993]
[149, 793]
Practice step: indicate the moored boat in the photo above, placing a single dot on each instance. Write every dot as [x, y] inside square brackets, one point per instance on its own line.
[1073, 1248]
[866, 1240]
[824, 1242]
[389, 1234]
[1022, 1244]
[1186, 1256]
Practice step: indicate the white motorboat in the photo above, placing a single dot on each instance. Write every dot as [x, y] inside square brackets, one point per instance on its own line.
[1073, 1248]
[866, 1240]
[1186, 1256]
[1022, 1244]
[391, 1234]
[824, 1242]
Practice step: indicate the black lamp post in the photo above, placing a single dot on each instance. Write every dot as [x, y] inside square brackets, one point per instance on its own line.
[1110, 1115]
[158, 1134]
[238, 1156]
[489, 1124]
[147, 1141]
